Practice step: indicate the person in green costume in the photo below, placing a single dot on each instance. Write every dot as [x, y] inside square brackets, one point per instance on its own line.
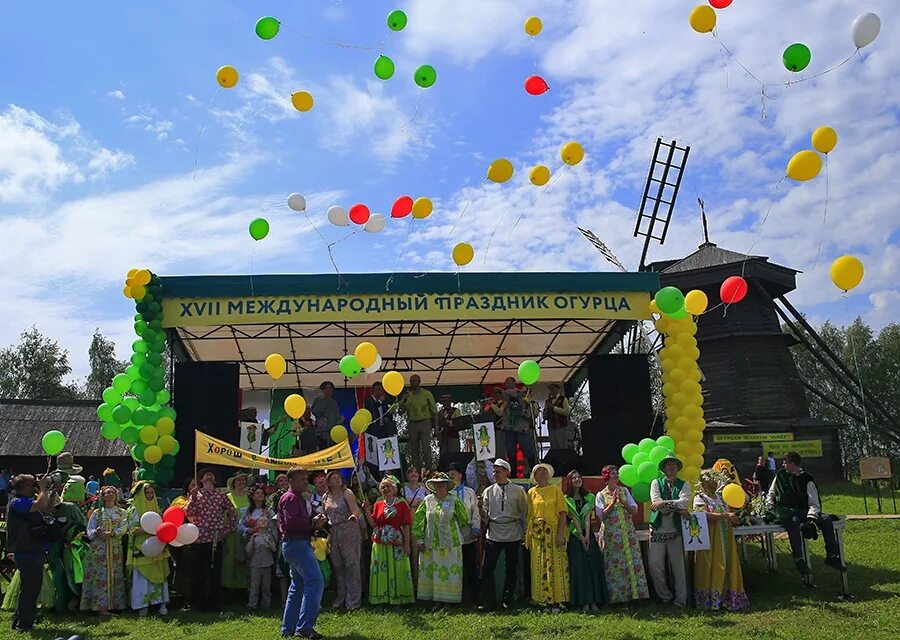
[586, 566]
[234, 569]
[149, 575]
[66, 555]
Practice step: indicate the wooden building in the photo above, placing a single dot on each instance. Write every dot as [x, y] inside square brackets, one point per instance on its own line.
[24, 422]
[754, 399]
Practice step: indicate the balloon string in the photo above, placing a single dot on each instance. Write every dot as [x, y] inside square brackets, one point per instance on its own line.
[824, 218]
[335, 43]
[252, 257]
[200, 132]
[415, 115]
[533, 201]
[762, 225]
[400, 254]
[327, 247]
[249, 119]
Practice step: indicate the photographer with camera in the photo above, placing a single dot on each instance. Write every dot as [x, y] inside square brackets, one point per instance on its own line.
[27, 542]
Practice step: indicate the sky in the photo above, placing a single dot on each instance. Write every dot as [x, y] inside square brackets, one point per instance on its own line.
[119, 150]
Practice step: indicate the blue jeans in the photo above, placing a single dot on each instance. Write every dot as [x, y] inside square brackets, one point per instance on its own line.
[526, 441]
[304, 597]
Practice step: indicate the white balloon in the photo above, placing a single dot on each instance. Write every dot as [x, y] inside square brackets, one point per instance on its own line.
[865, 29]
[150, 522]
[375, 223]
[187, 533]
[376, 365]
[297, 202]
[338, 216]
[152, 547]
[175, 543]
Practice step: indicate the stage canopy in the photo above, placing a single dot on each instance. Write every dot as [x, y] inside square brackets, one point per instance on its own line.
[451, 329]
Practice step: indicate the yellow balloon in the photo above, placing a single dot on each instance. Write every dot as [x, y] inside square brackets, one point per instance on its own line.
[734, 496]
[654, 308]
[463, 253]
[142, 277]
[533, 26]
[824, 139]
[338, 433]
[320, 548]
[152, 454]
[393, 382]
[126, 291]
[138, 291]
[302, 101]
[422, 208]
[690, 473]
[805, 165]
[149, 434]
[703, 18]
[695, 302]
[131, 273]
[539, 175]
[847, 272]
[572, 153]
[166, 444]
[500, 170]
[366, 354]
[275, 365]
[360, 421]
[295, 405]
[227, 76]
[165, 426]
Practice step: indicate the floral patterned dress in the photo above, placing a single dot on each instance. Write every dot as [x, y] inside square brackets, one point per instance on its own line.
[390, 576]
[437, 525]
[625, 577]
[718, 581]
[104, 576]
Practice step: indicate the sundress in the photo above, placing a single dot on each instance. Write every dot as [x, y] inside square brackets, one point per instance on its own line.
[234, 568]
[390, 575]
[625, 577]
[588, 576]
[104, 577]
[437, 524]
[718, 581]
[549, 561]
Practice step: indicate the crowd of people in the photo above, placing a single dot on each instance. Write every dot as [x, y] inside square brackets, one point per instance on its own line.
[385, 542]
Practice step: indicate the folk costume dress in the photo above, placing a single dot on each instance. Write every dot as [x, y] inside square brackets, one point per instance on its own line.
[390, 575]
[149, 576]
[234, 567]
[718, 581]
[104, 577]
[625, 577]
[437, 525]
[549, 562]
[588, 575]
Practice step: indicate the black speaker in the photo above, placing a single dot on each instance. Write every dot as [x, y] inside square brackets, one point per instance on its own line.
[207, 397]
[563, 461]
[619, 384]
[462, 458]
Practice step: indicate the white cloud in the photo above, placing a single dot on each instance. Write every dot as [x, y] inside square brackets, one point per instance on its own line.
[106, 161]
[116, 95]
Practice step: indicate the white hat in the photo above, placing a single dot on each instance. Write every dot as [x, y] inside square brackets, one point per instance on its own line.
[500, 462]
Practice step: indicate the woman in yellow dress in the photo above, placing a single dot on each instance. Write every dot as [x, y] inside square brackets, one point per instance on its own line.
[545, 537]
[718, 581]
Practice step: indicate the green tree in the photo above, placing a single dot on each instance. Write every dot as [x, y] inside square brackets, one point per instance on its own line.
[102, 358]
[35, 369]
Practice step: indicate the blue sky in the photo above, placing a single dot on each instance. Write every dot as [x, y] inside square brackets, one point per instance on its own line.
[103, 165]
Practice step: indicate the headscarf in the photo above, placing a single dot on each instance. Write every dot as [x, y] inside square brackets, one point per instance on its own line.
[155, 569]
[139, 500]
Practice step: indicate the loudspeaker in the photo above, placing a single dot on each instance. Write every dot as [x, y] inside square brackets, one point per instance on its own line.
[563, 461]
[619, 384]
[207, 397]
[462, 458]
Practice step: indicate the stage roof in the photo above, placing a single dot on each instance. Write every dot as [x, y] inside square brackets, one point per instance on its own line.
[451, 329]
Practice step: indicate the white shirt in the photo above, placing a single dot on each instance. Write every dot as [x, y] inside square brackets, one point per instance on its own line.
[470, 531]
[682, 503]
[600, 503]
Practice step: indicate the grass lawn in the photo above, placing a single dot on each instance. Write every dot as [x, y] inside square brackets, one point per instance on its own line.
[781, 607]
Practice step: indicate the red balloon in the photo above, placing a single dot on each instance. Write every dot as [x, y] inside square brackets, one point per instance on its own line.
[536, 85]
[720, 4]
[733, 290]
[402, 207]
[175, 515]
[167, 532]
[359, 213]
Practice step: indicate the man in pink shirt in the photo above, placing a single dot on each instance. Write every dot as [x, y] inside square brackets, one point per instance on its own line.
[296, 524]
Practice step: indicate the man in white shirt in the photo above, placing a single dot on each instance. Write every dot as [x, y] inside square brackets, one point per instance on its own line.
[505, 508]
[470, 532]
[794, 497]
[670, 498]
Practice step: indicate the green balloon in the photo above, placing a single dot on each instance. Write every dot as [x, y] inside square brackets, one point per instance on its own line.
[669, 299]
[154, 358]
[104, 412]
[350, 366]
[796, 57]
[138, 387]
[259, 229]
[397, 20]
[130, 435]
[133, 372]
[137, 451]
[164, 396]
[139, 346]
[110, 430]
[168, 412]
[426, 76]
[53, 442]
[158, 347]
[149, 335]
[529, 372]
[667, 442]
[147, 398]
[176, 449]
[639, 458]
[156, 385]
[647, 472]
[641, 492]
[657, 453]
[154, 307]
[131, 403]
[111, 396]
[678, 315]
[628, 452]
[384, 67]
[155, 324]
[167, 461]
[121, 414]
[646, 445]
[139, 327]
[138, 359]
[147, 371]
[148, 297]
[628, 475]
[141, 417]
[267, 27]
[121, 383]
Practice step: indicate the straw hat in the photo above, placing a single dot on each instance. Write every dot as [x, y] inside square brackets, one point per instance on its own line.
[229, 484]
[541, 465]
[438, 478]
[65, 463]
